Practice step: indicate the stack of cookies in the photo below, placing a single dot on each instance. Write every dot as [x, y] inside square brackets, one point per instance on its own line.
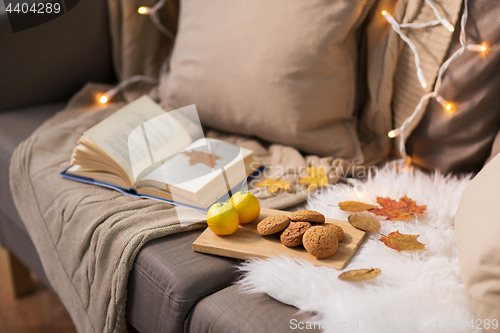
[304, 227]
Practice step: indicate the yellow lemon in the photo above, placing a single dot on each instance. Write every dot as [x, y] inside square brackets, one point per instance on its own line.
[222, 219]
[247, 206]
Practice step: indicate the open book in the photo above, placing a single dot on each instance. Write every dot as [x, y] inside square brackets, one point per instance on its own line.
[144, 151]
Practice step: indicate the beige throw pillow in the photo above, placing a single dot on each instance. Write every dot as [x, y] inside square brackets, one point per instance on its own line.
[284, 71]
[477, 228]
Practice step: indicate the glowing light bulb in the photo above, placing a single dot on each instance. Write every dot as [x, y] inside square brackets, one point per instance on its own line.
[143, 10]
[477, 47]
[445, 104]
[103, 99]
[421, 78]
[447, 25]
[360, 192]
[388, 17]
[394, 133]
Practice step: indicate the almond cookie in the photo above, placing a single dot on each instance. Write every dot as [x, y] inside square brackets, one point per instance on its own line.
[337, 229]
[273, 224]
[311, 216]
[321, 242]
[292, 236]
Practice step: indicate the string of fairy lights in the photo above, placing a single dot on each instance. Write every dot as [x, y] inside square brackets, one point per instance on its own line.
[447, 105]
[152, 12]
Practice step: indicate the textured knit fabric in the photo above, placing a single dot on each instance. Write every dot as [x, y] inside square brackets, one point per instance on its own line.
[461, 140]
[432, 45]
[87, 237]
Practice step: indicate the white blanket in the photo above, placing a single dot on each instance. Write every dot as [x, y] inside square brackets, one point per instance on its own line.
[416, 292]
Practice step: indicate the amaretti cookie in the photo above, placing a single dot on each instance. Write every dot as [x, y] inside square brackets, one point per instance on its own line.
[292, 236]
[320, 241]
[310, 216]
[273, 224]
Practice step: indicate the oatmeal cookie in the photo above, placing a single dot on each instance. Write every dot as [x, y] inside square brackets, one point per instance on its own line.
[292, 236]
[310, 216]
[321, 242]
[273, 224]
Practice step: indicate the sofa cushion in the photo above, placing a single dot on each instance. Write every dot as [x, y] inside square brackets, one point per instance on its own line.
[15, 126]
[283, 71]
[51, 61]
[229, 311]
[461, 140]
[169, 278]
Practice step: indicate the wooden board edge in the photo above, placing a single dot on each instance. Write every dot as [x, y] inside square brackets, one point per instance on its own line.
[224, 252]
[238, 255]
[354, 250]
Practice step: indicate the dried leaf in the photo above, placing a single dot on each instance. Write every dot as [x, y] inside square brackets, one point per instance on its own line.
[357, 275]
[394, 210]
[364, 223]
[196, 157]
[401, 242]
[355, 206]
[274, 185]
[316, 178]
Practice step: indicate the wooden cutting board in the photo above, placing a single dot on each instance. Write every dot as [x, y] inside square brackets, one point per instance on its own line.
[246, 243]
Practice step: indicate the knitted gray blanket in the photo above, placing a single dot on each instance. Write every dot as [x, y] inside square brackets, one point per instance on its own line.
[87, 237]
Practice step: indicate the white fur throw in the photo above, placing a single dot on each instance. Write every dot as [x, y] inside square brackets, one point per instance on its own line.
[418, 291]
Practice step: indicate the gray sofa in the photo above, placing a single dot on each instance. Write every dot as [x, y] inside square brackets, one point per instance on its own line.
[171, 288]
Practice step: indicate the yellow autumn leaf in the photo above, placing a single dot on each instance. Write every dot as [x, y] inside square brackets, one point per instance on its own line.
[357, 275]
[274, 185]
[316, 178]
[355, 206]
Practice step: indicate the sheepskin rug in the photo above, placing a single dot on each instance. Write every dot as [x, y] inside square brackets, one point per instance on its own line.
[416, 292]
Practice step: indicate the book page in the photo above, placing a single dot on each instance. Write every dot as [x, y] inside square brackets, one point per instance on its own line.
[112, 134]
[193, 167]
[154, 142]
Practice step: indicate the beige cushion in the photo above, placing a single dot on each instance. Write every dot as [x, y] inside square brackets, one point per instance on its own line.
[284, 71]
[461, 142]
[477, 228]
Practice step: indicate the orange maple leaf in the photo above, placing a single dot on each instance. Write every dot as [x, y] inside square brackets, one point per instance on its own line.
[394, 210]
[402, 242]
[196, 157]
